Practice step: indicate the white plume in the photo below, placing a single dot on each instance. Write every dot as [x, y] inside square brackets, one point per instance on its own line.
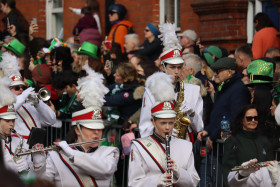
[92, 89]
[168, 36]
[9, 65]
[160, 85]
[6, 96]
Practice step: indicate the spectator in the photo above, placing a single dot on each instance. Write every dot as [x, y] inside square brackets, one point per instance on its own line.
[143, 66]
[16, 21]
[86, 28]
[225, 103]
[246, 141]
[88, 55]
[211, 54]
[61, 59]
[187, 38]
[125, 98]
[243, 56]
[120, 27]
[94, 6]
[131, 44]
[265, 37]
[272, 52]
[68, 100]
[152, 47]
[276, 75]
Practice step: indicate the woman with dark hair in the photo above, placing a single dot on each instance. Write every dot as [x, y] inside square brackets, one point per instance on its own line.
[61, 59]
[246, 142]
[265, 37]
[13, 17]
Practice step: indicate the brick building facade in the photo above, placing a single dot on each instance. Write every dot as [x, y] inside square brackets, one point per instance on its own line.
[218, 22]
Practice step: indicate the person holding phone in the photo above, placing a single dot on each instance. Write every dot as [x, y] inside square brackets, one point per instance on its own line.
[14, 19]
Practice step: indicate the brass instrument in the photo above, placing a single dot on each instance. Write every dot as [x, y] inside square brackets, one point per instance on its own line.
[167, 151]
[43, 94]
[57, 148]
[19, 147]
[181, 122]
[256, 165]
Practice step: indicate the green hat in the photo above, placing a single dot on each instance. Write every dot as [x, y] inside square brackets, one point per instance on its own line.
[276, 90]
[88, 48]
[212, 50]
[260, 71]
[15, 46]
[224, 63]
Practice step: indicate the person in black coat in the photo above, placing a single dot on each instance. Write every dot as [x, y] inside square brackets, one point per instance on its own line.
[152, 47]
[230, 96]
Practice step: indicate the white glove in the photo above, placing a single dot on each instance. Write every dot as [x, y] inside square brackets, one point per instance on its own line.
[22, 164]
[175, 169]
[174, 132]
[162, 181]
[273, 169]
[27, 92]
[68, 151]
[247, 172]
[39, 159]
[185, 108]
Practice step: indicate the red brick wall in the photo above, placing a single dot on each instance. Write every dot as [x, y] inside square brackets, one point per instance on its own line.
[226, 28]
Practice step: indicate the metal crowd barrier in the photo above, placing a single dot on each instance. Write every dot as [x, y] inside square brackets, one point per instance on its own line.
[208, 163]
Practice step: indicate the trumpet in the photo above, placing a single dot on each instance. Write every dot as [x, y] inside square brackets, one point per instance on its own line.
[256, 165]
[43, 94]
[57, 148]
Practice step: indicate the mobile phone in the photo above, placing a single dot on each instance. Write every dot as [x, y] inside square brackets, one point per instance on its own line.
[34, 21]
[8, 22]
[110, 64]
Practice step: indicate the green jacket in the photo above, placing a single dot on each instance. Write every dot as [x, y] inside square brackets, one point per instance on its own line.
[243, 147]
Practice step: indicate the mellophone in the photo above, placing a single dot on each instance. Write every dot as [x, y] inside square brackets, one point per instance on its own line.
[55, 147]
[256, 165]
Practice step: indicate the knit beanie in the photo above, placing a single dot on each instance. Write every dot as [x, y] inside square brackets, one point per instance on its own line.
[153, 29]
[42, 73]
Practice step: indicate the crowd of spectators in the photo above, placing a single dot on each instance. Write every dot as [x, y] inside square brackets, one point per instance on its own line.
[242, 87]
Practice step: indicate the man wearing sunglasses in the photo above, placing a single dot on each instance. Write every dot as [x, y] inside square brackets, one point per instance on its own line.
[230, 95]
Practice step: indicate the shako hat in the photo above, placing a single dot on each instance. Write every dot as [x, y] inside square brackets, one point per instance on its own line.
[172, 49]
[161, 87]
[92, 92]
[7, 99]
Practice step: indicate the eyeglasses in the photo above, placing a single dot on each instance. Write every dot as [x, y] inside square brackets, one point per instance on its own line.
[147, 30]
[17, 88]
[250, 118]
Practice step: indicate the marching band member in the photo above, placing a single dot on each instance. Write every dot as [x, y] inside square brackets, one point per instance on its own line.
[7, 123]
[34, 114]
[264, 177]
[148, 160]
[172, 61]
[88, 164]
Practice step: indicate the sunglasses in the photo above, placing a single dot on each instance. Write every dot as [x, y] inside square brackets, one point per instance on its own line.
[147, 30]
[250, 118]
[17, 88]
[111, 13]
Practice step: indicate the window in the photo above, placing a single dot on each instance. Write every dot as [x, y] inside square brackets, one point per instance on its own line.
[170, 11]
[54, 14]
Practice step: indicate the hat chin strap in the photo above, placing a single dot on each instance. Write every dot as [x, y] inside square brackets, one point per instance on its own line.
[82, 136]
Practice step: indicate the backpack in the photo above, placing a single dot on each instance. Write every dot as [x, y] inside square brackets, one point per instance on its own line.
[129, 30]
